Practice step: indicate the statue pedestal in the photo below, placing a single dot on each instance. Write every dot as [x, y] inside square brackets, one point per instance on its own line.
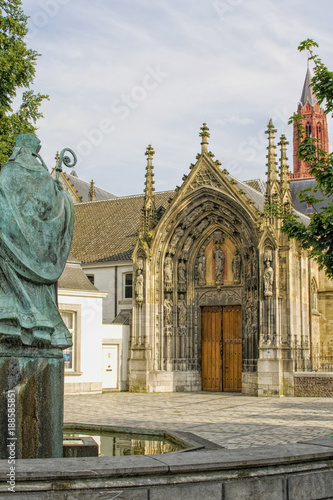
[31, 402]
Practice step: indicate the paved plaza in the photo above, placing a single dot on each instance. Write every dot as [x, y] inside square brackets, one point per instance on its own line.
[230, 420]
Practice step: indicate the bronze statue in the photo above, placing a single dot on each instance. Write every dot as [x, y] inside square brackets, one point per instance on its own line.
[36, 228]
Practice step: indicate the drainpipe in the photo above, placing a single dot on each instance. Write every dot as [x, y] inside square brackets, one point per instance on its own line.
[115, 291]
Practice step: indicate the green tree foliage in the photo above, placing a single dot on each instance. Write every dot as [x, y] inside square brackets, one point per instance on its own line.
[18, 67]
[317, 237]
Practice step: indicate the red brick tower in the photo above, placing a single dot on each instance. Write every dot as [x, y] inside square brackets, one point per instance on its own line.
[316, 126]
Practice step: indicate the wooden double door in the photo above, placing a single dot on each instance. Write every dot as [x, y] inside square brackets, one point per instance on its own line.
[221, 341]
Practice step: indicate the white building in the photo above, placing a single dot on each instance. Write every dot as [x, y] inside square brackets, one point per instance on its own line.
[98, 358]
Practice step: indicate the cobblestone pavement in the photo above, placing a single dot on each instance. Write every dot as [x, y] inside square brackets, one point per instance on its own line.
[230, 420]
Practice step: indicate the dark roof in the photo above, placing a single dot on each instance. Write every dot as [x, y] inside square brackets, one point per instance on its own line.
[257, 184]
[82, 187]
[123, 318]
[251, 192]
[107, 231]
[307, 94]
[299, 185]
[73, 278]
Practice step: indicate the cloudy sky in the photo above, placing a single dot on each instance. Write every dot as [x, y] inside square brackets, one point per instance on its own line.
[122, 74]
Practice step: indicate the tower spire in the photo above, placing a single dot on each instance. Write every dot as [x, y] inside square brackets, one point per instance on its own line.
[204, 134]
[314, 122]
[307, 93]
[149, 218]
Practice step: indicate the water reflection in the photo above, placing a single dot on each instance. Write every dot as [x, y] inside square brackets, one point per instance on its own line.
[119, 444]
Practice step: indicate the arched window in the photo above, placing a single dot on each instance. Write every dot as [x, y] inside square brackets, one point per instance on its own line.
[319, 135]
[308, 129]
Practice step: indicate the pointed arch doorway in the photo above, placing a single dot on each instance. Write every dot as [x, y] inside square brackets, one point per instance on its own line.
[221, 344]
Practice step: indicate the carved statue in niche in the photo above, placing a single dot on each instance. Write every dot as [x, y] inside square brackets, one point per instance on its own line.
[218, 237]
[139, 286]
[140, 263]
[175, 239]
[236, 267]
[200, 228]
[182, 275]
[268, 279]
[213, 218]
[167, 310]
[219, 258]
[168, 270]
[187, 245]
[202, 268]
[192, 216]
[209, 206]
[182, 312]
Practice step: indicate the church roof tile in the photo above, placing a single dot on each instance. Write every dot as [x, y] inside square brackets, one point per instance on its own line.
[107, 231]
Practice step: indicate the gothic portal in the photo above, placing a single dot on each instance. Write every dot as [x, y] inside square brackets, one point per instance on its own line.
[212, 291]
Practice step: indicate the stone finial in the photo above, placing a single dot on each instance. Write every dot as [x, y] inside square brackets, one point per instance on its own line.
[92, 192]
[57, 156]
[271, 156]
[149, 183]
[149, 215]
[284, 169]
[150, 151]
[204, 134]
[284, 172]
[273, 186]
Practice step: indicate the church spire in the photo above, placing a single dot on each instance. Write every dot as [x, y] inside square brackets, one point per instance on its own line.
[314, 122]
[307, 94]
[149, 218]
[285, 192]
[204, 134]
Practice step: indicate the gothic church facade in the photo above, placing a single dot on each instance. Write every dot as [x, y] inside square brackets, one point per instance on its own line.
[215, 296]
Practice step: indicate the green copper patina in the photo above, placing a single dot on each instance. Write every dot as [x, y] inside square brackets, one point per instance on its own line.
[36, 228]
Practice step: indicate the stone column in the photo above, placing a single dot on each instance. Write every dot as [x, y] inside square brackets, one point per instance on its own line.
[31, 401]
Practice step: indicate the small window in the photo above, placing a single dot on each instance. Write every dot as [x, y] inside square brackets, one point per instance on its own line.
[69, 318]
[91, 278]
[128, 289]
[308, 129]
